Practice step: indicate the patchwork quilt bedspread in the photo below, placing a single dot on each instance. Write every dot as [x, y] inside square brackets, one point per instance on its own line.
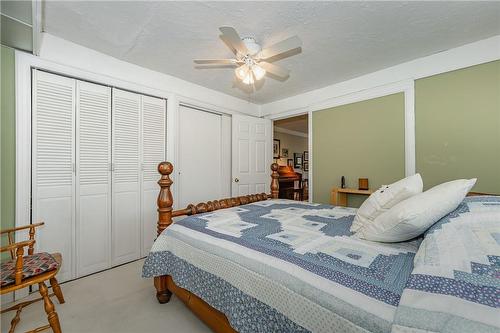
[285, 266]
[455, 284]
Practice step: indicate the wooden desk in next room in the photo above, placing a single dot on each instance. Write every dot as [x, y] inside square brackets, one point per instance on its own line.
[339, 195]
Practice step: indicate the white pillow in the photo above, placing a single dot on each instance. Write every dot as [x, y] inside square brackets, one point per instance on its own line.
[384, 198]
[411, 217]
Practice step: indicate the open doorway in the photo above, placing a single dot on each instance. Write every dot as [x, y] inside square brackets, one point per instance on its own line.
[290, 151]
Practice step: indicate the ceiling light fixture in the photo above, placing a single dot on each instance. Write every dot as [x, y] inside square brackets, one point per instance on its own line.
[250, 72]
[254, 62]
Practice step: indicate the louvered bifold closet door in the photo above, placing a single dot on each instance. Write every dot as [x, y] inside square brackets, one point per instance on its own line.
[93, 174]
[153, 152]
[126, 216]
[53, 166]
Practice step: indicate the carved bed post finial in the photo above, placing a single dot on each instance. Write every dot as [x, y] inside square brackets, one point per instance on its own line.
[165, 200]
[274, 181]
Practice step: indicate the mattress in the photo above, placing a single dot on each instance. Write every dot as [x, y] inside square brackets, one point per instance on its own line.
[285, 266]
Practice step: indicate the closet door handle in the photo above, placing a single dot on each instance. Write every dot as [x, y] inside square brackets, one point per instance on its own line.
[236, 180]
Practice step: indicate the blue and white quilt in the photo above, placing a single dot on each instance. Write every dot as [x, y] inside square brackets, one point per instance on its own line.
[455, 284]
[285, 266]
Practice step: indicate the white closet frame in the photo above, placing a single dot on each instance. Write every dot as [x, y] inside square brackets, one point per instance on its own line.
[95, 239]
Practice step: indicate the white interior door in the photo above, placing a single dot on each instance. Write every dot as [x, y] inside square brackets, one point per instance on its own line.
[251, 155]
[126, 177]
[153, 152]
[93, 174]
[200, 165]
[53, 166]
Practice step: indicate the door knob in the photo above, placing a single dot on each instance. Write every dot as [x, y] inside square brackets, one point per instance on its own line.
[236, 180]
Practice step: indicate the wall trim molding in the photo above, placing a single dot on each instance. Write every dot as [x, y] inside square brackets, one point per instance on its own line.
[475, 53]
[290, 132]
[36, 17]
[311, 160]
[406, 87]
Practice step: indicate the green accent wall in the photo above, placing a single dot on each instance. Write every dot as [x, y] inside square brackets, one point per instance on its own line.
[457, 118]
[358, 140]
[7, 139]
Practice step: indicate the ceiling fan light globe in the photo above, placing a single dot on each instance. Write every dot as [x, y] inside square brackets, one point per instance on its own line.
[258, 72]
[241, 72]
[248, 79]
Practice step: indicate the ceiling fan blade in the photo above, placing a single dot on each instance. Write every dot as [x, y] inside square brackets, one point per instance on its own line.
[232, 37]
[281, 47]
[216, 61]
[275, 70]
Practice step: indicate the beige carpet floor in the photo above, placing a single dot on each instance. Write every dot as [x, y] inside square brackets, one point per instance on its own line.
[116, 300]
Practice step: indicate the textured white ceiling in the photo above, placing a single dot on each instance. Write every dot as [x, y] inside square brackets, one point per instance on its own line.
[341, 40]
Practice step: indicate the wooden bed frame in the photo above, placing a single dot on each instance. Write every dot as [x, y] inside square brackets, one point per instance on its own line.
[164, 284]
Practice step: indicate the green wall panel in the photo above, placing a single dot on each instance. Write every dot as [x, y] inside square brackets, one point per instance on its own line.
[7, 139]
[359, 140]
[458, 126]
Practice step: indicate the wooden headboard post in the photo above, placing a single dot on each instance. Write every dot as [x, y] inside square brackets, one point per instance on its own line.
[164, 200]
[274, 181]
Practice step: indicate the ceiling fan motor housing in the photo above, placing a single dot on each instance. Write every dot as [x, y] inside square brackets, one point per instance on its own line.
[252, 45]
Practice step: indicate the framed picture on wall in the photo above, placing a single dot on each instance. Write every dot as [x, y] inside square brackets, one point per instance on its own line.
[289, 162]
[305, 166]
[276, 148]
[284, 152]
[306, 156]
[297, 160]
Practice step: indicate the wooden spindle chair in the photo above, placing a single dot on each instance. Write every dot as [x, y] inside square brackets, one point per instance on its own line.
[23, 271]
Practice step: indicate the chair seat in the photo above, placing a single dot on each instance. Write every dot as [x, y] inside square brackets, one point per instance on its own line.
[33, 265]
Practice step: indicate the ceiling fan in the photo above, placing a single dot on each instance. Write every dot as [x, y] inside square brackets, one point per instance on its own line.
[254, 62]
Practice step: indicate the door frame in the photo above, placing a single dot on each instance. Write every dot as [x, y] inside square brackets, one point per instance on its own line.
[309, 142]
[406, 87]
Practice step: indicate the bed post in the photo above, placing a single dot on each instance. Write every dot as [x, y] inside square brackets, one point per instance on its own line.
[165, 203]
[164, 200]
[274, 181]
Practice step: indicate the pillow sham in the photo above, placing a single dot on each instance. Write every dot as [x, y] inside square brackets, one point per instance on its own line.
[384, 198]
[411, 217]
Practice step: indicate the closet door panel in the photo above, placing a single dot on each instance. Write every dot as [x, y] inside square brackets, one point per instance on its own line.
[153, 143]
[126, 217]
[53, 166]
[200, 156]
[93, 190]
